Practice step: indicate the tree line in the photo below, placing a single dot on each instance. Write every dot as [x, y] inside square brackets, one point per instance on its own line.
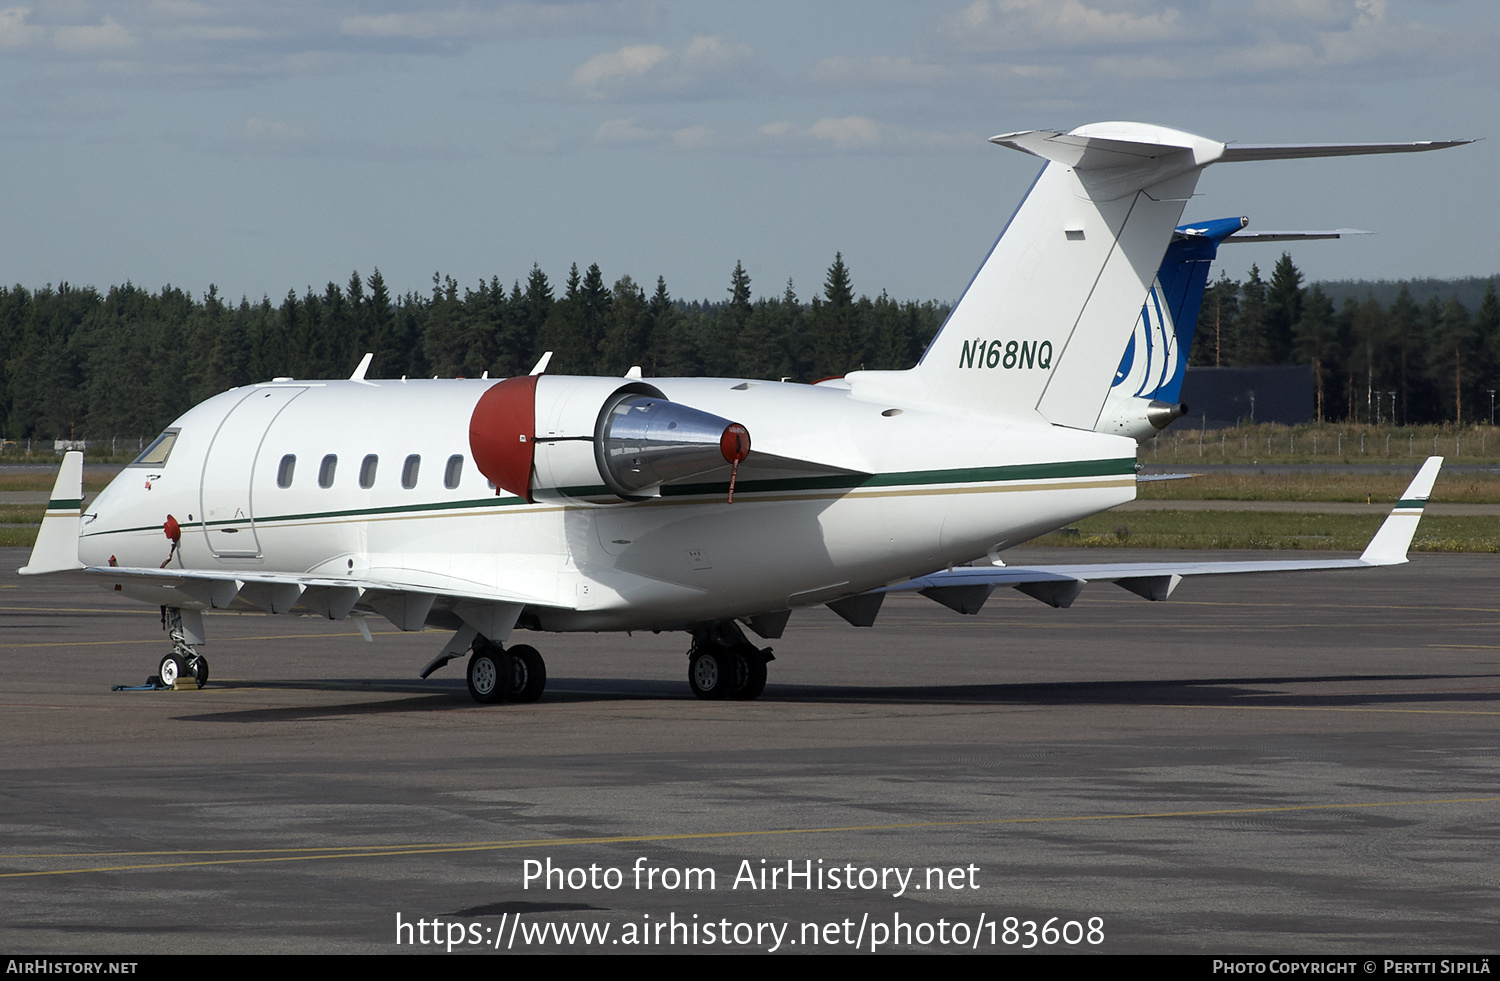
[81, 364]
[1400, 362]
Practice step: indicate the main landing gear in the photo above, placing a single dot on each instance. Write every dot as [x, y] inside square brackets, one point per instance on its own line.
[184, 661]
[499, 675]
[723, 664]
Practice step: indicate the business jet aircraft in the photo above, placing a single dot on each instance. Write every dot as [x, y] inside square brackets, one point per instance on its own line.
[556, 503]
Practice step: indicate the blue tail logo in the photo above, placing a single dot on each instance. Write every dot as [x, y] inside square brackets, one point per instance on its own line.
[1157, 355]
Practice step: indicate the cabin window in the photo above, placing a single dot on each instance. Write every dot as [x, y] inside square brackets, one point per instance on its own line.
[325, 470]
[453, 471]
[156, 454]
[409, 471]
[367, 471]
[284, 472]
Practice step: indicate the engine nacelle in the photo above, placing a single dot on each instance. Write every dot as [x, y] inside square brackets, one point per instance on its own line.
[595, 440]
[1141, 419]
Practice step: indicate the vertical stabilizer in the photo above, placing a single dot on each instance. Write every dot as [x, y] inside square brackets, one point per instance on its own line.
[56, 548]
[1040, 330]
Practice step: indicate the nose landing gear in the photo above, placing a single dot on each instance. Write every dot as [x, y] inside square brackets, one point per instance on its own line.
[184, 659]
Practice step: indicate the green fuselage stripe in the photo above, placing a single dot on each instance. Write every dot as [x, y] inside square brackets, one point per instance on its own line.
[907, 478]
[837, 482]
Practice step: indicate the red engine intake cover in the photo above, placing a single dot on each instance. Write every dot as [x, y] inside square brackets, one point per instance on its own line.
[502, 434]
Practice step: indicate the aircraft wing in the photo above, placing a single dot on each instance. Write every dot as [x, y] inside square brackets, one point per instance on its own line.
[280, 592]
[966, 588]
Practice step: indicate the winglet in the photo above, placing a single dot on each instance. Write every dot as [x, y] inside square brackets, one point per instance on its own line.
[56, 548]
[1390, 543]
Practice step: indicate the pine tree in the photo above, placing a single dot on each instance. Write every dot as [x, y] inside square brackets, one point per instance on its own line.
[624, 336]
[671, 351]
[1249, 322]
[1316, 340]
[376, 312]
[565, 332]
[724, 328]
[596, 301]
[796, 344]
[1404, 323]
[534, 311]
[1487, 340]
[1284, 300]
[1214, 336]
[833, 323]
[1457, 348]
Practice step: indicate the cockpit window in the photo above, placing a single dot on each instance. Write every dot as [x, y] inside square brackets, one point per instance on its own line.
[156, 454]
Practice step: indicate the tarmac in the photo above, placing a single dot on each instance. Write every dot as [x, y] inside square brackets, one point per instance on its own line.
[1267, 764]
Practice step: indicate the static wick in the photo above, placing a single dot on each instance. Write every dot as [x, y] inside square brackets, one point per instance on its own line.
[734, 444]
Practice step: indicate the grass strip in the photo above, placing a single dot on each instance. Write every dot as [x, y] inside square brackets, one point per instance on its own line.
[1268, 530]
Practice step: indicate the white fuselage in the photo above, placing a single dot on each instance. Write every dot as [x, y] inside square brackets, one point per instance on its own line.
[901, 491]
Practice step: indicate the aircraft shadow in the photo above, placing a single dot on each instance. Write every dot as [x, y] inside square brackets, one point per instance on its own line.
[1228, 692]
[1236, 692]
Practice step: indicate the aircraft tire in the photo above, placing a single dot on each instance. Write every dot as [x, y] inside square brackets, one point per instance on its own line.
[529, 672]
[749, 672]
[711, 673]
[171, 669]
[484, 675]
[200, 670]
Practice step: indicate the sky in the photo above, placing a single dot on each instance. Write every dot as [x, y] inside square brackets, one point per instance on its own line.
[279, 145]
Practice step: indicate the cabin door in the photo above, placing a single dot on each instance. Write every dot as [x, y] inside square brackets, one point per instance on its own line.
[228, 470]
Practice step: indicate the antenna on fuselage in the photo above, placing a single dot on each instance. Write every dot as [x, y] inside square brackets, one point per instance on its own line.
[541, 364]
[364, 366]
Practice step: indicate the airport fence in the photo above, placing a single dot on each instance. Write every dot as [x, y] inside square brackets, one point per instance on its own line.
[1323, 443]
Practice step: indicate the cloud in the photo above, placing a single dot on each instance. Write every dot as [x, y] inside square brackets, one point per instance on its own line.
[608, 71]
[883, 71]
[848, 133]
[271, 136]
[1095, 41]
[265, 137]
[695, 138]
[624, 132]
[207, 32]
[1325, 14]
[181, 9]
[14, 31]
[107, 35]
[706, 66]
[1020, 25]
[538, 144]
[465, 23]
[858, 134]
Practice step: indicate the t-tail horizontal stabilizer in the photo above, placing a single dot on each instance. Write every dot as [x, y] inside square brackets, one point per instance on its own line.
[56, 548]
[1157, 580]
[1040, 329]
